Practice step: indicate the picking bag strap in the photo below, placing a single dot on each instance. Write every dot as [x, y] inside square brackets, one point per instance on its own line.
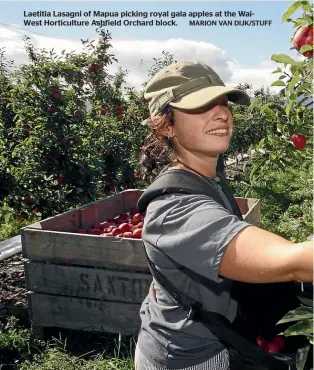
[177, 181]
[216, 323]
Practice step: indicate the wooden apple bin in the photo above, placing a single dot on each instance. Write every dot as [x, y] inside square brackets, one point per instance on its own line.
[89, 282]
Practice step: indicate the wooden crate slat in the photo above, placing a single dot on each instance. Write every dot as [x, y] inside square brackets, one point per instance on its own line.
[254, 215]
[101, 210]
[84, 282]
[84, 314]
[130, 198]
[67, 221]
[84, 249]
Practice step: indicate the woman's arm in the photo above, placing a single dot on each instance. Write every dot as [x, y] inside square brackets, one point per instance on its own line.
[255, 255]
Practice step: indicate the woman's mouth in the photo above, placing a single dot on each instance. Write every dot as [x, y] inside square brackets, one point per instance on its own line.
[219, 132]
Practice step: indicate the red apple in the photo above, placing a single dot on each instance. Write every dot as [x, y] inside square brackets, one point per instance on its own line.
[133, 211]
[140, 225]
[279, 340]
[52, 108]
[81, 231]
[95, 231]
[137, 233]
[94, 68]
[65, 141]
[124, 227]
[60, 180]
[56, 95]
[26, 201]
[137, 218]
[106, 234]
[128, 234]
[18, 218]
[27, 128]
[111, 220]
[103, 111]
[105, 225]
[110, 229]
[261, 342]
[123, 216]
[115, 231]
[77, 113]
[271, 347]
[298, 141]
[303, 36]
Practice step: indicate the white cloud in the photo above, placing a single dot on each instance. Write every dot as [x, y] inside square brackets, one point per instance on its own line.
[136, 56]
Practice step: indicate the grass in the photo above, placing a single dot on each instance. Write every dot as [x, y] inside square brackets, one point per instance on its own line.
[66, 350]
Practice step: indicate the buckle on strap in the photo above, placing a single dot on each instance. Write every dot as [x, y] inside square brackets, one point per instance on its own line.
[192, 310]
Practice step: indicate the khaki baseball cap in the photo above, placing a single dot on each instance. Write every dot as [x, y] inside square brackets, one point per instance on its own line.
[188, 85]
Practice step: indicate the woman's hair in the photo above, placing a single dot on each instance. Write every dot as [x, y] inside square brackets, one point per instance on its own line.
[157, 151]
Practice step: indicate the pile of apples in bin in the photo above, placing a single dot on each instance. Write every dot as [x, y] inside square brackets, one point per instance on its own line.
[274, 346]
[125, 225]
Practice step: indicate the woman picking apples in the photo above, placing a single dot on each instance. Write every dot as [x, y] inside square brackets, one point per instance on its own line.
[190, 126]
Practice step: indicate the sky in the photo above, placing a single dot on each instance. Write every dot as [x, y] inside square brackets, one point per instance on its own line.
[239, 53]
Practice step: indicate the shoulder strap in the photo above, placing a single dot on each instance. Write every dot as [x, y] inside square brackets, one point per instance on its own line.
[178, 181]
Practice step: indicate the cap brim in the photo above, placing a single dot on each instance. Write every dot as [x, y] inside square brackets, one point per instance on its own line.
[203, 97]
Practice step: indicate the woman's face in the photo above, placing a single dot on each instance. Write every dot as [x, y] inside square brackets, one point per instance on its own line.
[205, 132]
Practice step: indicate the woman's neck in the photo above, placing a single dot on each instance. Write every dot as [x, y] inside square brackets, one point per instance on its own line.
[204, 168]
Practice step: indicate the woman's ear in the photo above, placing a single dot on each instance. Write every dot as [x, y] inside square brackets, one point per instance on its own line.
[168, 132]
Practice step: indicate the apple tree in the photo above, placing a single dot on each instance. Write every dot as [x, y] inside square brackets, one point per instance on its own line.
[291, 143]
[66, 129]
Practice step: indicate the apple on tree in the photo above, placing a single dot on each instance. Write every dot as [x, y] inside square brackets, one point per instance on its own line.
[94, 68]
[298, 141]
[56, 95]
[303, 36]
[65, 141]
[60, 180]
[77, 113]
[52, 108]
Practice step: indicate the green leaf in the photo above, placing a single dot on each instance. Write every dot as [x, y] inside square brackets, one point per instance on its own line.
[305, 300]
[292, 8]
[298, 314]
[254, 169]
[292, 83]
[283, 58]
[303, 356]
[278, 70]
[303, 86]
[255, 103]
[278, 83]
[300, 22]
[304, 327]
[306, 48]
[308, 19]
[288, 107]
[306, 6]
